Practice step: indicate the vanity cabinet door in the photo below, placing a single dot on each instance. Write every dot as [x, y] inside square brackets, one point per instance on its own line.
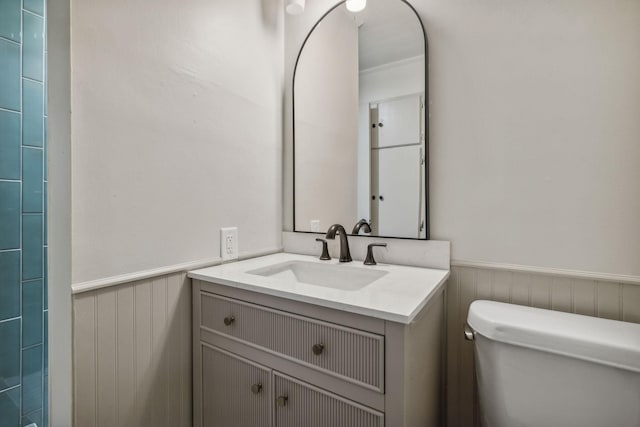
[235, 392]
[302, 405]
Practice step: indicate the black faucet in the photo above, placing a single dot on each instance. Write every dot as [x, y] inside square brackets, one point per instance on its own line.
[361, 224]
[345, 255]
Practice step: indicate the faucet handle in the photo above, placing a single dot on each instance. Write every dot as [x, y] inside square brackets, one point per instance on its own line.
[369, 260]
[325, 250]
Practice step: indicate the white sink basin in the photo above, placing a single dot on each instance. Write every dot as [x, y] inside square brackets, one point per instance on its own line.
[327, 275]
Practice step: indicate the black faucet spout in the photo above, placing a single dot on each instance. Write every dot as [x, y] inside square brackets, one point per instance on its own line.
[345, 254]
[366, 227]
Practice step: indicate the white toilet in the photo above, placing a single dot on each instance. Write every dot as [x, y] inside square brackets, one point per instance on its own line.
[542, 368]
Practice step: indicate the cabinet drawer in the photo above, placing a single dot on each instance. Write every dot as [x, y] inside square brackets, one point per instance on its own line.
[300, 404]
[350, 354]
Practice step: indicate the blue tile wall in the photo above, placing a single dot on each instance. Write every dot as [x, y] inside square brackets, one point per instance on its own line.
[32, 180]
[32, 113]
[32, 313]
[24, 313]
[9, 285]
[10, 407]
[34, 417]
[9, 215]
[10, 14]
[10, 354]
[10, 145]
[32, 247]
[32, 380]
[35, 6]
[10, 77]
[33, 47]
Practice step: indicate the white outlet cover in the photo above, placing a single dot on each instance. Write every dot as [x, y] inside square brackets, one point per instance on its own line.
[229, 243]
[315, 225]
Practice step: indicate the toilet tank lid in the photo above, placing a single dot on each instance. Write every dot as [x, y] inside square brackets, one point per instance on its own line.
[605, 341]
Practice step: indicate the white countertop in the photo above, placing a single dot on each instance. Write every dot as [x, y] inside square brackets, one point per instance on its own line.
[398, 296]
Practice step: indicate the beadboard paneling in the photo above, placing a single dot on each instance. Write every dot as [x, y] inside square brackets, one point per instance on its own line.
[610, 300]
[132, 354]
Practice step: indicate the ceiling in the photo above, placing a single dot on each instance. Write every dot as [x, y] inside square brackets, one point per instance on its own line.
[389, 31]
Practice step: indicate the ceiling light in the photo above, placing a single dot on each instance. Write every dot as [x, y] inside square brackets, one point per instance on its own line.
[295, 7]
[356, 5]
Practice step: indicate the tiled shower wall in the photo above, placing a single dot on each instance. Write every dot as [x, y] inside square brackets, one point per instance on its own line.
[23, 189]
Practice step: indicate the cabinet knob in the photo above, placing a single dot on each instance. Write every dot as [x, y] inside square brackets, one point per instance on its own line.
[229, 320]
[282, 400]
[256, 388]
[318, 349]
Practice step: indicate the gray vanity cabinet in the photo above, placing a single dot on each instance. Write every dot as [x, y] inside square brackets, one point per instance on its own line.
[299, 404]
[264, 361]
[235, 391]
[351, 354]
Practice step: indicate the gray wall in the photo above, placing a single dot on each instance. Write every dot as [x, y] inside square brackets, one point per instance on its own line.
[176, 131]
[534, 162]
[534, 106]
[59, 212]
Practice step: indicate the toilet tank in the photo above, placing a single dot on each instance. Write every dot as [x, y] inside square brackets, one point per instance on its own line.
[539, 368]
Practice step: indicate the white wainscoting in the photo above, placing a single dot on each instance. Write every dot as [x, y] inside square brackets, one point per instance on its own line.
[132, 354]
[132, 342]
[588, 296]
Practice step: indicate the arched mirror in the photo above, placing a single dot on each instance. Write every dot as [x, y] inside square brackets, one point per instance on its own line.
[360, 99]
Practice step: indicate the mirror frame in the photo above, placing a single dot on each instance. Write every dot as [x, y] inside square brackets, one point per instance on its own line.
[426, 124]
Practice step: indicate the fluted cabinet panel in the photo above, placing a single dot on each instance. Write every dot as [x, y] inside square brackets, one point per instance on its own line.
[309, 406]
[349, 353]
[618, 301]
[227, 394]
[132, 357]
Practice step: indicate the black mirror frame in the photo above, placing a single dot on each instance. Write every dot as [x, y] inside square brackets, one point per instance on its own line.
[426, 122]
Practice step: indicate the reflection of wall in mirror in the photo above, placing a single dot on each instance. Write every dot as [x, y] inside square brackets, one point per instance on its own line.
[326, 107]
[384, 82]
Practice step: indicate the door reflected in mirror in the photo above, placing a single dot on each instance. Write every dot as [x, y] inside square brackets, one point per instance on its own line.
[360, 129]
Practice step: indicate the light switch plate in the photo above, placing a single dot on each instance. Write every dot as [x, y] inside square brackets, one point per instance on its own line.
[229, 243]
